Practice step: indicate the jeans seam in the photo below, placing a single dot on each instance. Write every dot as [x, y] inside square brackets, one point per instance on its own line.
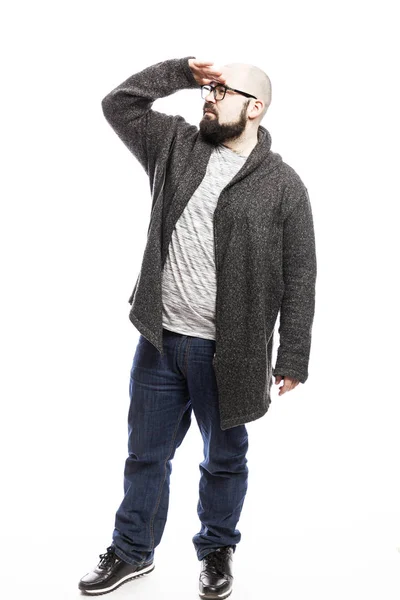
[165, 474]
[188, 346]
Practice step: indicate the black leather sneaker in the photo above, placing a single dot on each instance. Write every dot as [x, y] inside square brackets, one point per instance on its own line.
[216, 578]
[110, 573]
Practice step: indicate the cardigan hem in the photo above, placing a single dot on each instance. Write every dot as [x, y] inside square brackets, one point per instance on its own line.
[243, 419]
[145, 331]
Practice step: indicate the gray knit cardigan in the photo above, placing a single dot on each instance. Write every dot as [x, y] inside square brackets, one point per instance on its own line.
[263, 242]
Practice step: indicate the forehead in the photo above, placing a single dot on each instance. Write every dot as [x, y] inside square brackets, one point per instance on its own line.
[236, 76]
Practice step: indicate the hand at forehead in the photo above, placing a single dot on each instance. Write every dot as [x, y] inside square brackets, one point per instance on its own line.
[234, 75]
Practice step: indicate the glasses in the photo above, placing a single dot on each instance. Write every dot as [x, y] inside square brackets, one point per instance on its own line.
[219, 91]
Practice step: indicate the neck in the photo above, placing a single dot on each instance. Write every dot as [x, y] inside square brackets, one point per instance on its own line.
[244, 144]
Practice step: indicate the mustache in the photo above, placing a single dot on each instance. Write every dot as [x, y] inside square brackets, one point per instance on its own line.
[209, 108]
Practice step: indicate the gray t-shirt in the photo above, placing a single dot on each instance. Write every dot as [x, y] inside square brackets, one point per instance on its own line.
[189, 278]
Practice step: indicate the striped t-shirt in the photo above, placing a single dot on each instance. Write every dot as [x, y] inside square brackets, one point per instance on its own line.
[189, 278]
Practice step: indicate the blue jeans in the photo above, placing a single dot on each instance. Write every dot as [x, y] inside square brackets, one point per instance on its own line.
[163, 391]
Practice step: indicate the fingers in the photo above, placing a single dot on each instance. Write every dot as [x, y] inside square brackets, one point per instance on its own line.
[199, 63]
[209, 71]
[288, 384]
[219, 76]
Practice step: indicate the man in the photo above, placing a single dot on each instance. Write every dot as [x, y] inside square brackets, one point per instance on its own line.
[230, 245]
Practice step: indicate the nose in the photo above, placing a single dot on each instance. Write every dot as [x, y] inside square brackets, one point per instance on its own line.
[210, 97]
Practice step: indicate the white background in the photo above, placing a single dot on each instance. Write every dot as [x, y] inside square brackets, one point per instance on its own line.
[321, 517]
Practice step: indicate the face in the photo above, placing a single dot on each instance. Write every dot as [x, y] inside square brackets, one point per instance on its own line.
[227, 118]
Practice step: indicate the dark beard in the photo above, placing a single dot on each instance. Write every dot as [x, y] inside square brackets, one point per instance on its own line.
[215, 133]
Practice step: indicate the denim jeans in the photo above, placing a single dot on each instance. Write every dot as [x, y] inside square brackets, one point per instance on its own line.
[163, 390]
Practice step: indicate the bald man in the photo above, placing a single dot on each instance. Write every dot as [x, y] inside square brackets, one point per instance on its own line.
[230, 245]
[233, 123]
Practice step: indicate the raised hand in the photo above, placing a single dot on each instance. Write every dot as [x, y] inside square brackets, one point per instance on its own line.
[205, 71]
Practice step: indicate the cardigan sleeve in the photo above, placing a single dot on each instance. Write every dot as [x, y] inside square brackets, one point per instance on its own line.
[128, 109]
[298, 302]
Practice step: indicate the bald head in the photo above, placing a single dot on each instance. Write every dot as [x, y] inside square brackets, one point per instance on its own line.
[250, 79]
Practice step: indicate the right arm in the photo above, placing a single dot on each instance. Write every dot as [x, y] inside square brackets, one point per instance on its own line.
[128, 108]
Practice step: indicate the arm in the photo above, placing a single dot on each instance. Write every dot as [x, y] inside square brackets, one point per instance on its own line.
[127, 108]
[298, 303]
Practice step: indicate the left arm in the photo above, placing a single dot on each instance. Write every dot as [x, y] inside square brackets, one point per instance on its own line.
[298, 302]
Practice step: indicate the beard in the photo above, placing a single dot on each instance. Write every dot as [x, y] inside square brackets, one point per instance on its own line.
[217, 133]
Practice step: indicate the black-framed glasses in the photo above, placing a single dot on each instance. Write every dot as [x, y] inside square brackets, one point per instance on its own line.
[219, 91]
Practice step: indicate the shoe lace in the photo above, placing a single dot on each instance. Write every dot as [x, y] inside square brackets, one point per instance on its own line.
[107, 558]
[215, 561]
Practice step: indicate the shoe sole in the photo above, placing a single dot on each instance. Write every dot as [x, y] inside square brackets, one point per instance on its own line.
[215, 596]
[100, 592]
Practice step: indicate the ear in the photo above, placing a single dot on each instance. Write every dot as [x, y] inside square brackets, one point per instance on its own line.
[256, 109]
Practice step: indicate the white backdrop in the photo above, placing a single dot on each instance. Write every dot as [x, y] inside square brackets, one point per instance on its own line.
[321, 517]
